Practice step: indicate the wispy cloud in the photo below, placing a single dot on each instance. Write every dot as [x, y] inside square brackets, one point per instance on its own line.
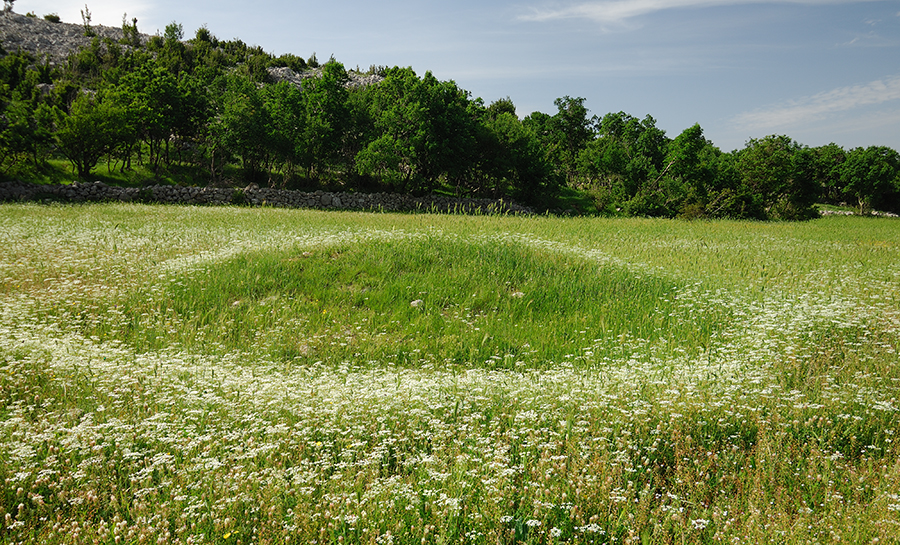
[618, 12]
[821, 105]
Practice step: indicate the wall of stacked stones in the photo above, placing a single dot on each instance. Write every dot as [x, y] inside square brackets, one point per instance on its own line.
[254, 196]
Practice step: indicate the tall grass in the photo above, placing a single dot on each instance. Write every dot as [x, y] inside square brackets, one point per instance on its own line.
[199, 375]
[428, 300]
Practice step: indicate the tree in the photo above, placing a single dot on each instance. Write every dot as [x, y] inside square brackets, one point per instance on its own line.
[174, 32]
[327, 116]
[155, 106]
[781, 175]
[829, 159]
[517, 158]
[423, 131]
[25, 132]
[359, 132]
[89, 131]
[286, 112]
[688, 176]
[573, 130]
[448, 149]
[130, 34]
[86, 22]
[242, 125]
[501, 106]
[870, 175]
[626, 160]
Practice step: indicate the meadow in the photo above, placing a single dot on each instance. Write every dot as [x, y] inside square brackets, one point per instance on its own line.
[254, 375]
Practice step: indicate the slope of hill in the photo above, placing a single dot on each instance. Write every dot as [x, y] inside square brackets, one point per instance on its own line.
[57, 40]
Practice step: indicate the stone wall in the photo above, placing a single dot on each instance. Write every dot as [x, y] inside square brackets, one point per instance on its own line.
[255, 196]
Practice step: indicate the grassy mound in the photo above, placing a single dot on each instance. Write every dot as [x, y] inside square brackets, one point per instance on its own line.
[413, 301]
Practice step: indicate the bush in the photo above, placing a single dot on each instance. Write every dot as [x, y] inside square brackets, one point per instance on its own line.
[603, 199]
[52, 17]
[648, 204]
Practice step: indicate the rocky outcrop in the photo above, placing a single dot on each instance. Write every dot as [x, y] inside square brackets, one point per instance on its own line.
[254, 196]
[57, 40]
[284, 73]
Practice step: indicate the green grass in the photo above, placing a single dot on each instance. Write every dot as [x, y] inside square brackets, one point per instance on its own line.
[429, 300]
[60, 171]
[225, 375]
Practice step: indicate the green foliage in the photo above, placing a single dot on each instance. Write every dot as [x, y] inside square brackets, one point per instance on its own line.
[242, 125]
[517, 159]
[286, 111]
[626, 160]
[424, 132]
[203, 35]
[572, 130]
[295, 63]
[25, 133]
[103, 61]
[91, 129]
[130, 34]
[828, 174]
[871, 176]
[501, 106]
[155, 43]
[86, 22]
[162, 105]
[52, 17]
[174, 32]
[326, 118]
[781, 175]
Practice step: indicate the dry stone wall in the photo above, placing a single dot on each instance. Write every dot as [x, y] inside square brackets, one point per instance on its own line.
[255, 196]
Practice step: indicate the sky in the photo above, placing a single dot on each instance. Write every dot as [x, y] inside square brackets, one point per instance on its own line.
[819, 71]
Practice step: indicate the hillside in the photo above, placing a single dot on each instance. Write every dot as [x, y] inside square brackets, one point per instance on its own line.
[57, 40]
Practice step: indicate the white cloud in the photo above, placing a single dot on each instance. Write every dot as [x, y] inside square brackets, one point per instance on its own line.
[821, 105]
[617, 12]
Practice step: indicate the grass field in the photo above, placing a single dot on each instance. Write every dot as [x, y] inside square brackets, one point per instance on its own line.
[248, 375]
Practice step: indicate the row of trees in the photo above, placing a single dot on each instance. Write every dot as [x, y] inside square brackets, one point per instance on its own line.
[208, 105]
[630, 165]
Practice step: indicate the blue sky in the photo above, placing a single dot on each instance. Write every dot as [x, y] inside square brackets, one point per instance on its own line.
[818, 71]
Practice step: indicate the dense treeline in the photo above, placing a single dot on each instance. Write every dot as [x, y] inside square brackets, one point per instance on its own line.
[209, 105]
